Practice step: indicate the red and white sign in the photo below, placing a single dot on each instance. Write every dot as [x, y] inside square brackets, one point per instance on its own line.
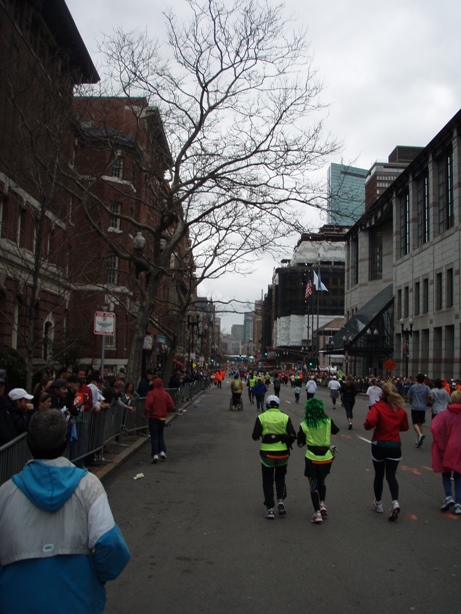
[104, 323]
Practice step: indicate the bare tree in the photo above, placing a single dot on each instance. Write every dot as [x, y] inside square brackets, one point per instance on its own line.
[239, 102]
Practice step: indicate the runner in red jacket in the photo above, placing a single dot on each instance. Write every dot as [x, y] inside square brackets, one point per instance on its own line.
[388, 418]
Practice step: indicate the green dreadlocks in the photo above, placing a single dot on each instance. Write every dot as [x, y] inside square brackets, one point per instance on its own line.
[314, 413]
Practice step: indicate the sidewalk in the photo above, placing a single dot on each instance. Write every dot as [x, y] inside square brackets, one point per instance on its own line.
[116, 454]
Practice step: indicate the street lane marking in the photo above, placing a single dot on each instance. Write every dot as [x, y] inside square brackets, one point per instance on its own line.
[363, 439]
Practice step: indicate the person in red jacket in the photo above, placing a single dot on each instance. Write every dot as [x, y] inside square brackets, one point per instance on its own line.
[158, 405]
[446, 450]
[388, 418]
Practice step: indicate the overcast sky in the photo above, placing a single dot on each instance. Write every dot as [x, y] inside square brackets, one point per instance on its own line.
[391, 75]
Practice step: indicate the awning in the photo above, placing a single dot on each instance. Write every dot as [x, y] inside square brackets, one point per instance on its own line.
[376, 315]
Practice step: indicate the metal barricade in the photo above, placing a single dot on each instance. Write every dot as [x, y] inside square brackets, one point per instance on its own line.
[13, 456]
[94, 430]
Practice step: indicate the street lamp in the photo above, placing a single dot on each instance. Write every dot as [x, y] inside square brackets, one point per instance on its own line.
[406, 334]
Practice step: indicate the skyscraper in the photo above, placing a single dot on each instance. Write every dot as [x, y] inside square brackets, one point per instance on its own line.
[346, 194]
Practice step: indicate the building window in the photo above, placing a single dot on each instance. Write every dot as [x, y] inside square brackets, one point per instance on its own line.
[399, 304]
[375, 255]
[117, 167]
[404, 204]
[22, 228]
[417, 299]
[425, 306]
[110, 342]
[438, 291]
[112, 269]
[406, 302]
[354, 262]
[450, 289]
[445, 191]
[114, 219]
[422, 208]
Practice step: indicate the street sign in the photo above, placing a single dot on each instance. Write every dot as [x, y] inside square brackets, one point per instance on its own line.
[104, 323]
[389, 365]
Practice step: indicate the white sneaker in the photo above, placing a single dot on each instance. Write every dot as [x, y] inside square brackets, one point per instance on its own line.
[449, 501]
[394, 511]
[457, 508]
[323, 509]
[317, 518]
[378, 507]
[162, 456]
[269, 513]
[281, 507]
[155, 459]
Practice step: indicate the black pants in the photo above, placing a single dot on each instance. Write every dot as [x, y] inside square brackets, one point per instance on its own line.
[270, 474]
[385, 462]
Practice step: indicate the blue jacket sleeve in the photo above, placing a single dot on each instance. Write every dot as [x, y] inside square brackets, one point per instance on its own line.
[111, 555]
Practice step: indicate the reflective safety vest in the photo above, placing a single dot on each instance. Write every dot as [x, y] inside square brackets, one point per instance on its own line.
[274, 422]
[252, 381]
[318, 438]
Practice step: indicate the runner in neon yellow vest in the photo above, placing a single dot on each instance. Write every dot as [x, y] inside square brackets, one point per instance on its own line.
[315, 432]
[277, 434]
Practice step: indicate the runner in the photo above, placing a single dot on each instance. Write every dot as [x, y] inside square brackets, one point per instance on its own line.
[388, 418]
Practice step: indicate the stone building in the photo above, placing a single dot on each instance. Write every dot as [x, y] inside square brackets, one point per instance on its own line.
[403, 261]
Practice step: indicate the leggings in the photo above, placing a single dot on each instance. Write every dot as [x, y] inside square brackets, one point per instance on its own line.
[316, 473]
[385, 462]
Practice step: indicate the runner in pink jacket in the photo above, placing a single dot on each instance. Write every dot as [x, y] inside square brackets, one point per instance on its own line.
[446, 451]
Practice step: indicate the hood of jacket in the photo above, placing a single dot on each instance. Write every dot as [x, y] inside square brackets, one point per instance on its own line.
[158, 384]
[455, 408]
[48, 484]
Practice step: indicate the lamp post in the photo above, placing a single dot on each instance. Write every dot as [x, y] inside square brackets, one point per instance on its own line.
[406, 334]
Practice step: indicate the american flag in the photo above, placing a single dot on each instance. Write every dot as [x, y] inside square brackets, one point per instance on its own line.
[308, 289]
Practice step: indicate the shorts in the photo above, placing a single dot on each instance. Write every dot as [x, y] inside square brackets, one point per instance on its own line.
[382, 453]
[316, 471]
[418, 416]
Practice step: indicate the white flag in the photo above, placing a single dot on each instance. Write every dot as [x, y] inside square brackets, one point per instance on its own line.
[321, 287]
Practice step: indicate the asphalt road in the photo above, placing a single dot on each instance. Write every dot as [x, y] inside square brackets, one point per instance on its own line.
[200, 543]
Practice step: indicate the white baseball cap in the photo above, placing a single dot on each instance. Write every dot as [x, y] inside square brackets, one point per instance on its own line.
[19, 393]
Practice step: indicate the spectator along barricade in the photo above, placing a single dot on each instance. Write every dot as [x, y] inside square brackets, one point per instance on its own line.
[92, 431]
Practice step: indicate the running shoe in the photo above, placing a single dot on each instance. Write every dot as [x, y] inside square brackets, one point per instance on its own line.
[269, 513]
[349, 427]
[155, 459]
[323, 509]
[281, 507]
[457, 508]
[394, 511]
[449, 501]
[317, 518]
[421, 438]
[162, 456]
[378, 507]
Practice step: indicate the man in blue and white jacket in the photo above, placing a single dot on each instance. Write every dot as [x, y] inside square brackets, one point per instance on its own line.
[59, 543]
